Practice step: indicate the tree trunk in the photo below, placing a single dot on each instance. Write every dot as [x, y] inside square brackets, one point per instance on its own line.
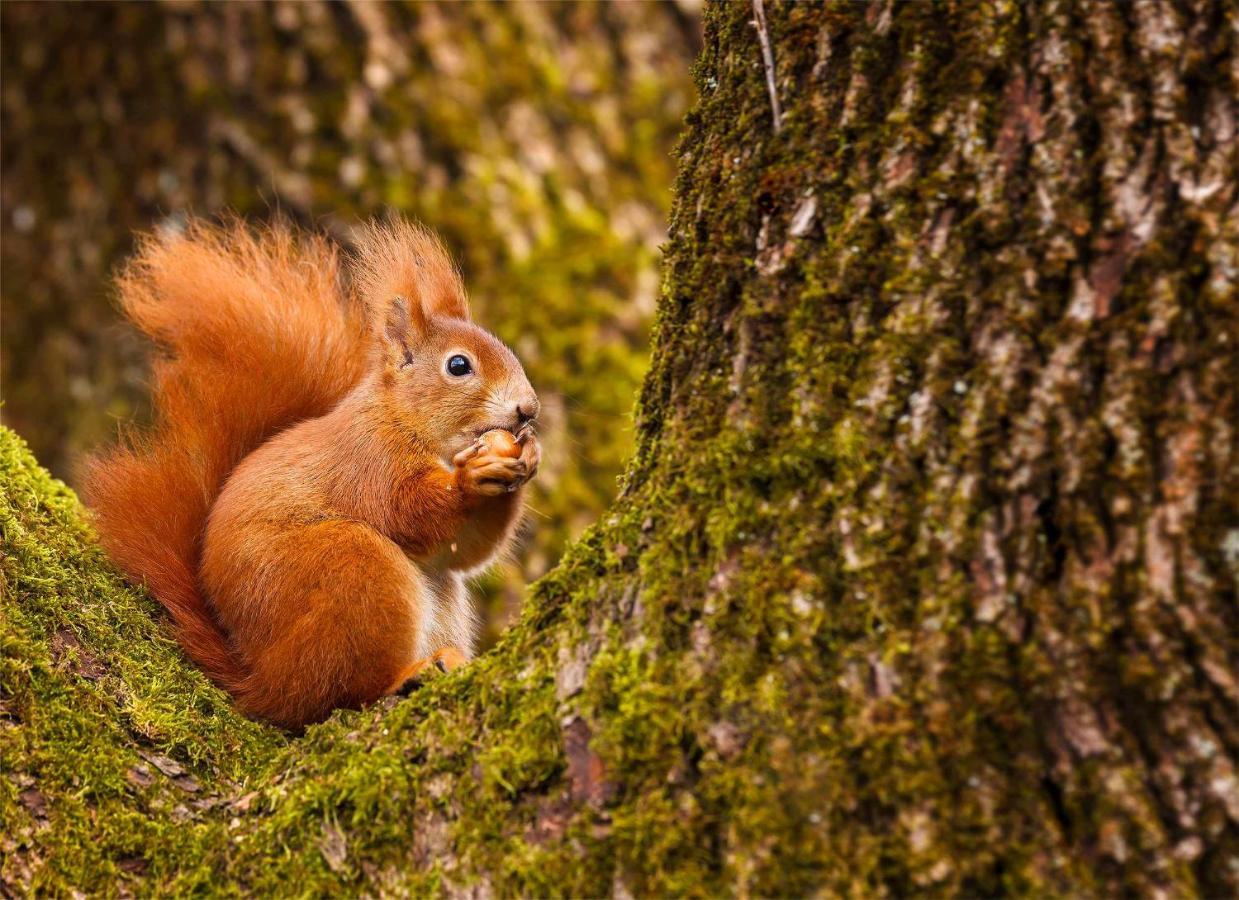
[923, 578]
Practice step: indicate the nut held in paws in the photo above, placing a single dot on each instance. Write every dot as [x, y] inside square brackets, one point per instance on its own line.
[501, 443]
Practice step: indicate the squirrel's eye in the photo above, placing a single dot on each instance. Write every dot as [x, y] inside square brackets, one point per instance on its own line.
[458, 366]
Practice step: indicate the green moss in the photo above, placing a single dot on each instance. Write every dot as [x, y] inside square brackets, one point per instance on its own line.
[93, 690]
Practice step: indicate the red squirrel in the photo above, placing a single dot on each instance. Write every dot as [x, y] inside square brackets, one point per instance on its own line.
[316, 487]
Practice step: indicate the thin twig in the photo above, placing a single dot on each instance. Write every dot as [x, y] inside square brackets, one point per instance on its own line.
[767, 56]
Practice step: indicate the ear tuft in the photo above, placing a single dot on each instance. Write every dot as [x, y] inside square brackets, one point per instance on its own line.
[400, 259]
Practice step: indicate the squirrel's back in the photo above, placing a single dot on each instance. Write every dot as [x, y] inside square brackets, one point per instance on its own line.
[255, 333]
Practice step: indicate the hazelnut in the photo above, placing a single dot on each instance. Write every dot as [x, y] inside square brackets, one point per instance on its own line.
[501, 443]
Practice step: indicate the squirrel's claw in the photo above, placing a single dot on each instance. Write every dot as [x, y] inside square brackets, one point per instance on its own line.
[467, 454]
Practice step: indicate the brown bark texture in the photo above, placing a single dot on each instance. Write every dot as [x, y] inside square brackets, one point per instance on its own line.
[942, 420]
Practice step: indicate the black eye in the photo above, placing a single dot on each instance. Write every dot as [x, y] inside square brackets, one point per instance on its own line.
[458, 366]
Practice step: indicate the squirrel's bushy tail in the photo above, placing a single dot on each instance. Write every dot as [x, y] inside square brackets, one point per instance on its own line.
[254, 332]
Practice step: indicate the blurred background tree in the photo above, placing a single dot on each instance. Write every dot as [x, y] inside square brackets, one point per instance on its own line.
[535, 138]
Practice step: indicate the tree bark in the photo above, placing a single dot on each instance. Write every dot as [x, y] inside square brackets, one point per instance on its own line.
[923, 577]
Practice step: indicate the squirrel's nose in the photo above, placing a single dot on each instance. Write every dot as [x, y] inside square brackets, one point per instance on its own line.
[527, 410]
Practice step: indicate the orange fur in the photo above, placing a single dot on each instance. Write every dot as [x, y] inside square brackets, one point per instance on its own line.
[313, 491]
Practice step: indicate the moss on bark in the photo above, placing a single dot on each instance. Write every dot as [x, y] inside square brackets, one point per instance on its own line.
[923, 577]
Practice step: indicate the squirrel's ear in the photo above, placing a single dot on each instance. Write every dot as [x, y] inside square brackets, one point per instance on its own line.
[403, 323]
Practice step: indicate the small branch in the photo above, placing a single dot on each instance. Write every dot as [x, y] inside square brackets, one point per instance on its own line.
[767, 56]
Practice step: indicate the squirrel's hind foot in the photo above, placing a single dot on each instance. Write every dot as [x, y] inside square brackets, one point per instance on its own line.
[444, 660]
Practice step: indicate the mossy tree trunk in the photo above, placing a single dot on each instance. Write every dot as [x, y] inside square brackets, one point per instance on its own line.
[923, 577]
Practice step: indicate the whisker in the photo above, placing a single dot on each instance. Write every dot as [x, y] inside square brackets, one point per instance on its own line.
[533, 509]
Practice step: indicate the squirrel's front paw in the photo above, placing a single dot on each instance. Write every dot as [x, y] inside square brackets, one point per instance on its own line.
[531, 452]
[488, 474]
